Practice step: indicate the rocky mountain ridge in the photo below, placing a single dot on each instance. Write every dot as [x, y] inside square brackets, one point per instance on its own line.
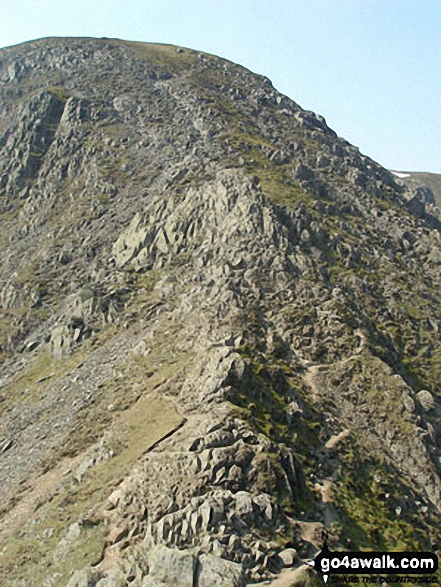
[220, 327]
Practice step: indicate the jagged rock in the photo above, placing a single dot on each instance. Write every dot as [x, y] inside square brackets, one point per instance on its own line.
[6, 445]
[81, 579]
[61, 340]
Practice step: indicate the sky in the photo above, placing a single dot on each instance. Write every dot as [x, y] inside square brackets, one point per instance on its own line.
[371, 67]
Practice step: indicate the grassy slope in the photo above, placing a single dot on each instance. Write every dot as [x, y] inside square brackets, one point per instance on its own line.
[31, 551]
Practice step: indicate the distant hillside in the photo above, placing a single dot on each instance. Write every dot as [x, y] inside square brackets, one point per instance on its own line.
[422, 179]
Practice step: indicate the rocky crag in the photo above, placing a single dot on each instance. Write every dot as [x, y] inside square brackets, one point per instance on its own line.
[219, 328]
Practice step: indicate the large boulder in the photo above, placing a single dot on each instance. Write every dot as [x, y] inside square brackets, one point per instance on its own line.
[170, 566]
[218, 572]
[426, 400]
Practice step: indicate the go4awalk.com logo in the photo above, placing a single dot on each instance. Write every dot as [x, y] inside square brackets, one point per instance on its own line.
[378, 563]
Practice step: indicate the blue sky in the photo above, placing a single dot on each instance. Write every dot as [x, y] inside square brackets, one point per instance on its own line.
[371, 67]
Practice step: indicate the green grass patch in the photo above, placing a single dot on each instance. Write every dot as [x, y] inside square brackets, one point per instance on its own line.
[34, 552]
[368, 508]
[38, 373]
[169, 56]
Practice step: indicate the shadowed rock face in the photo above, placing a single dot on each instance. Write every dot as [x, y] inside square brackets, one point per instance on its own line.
[219, 327]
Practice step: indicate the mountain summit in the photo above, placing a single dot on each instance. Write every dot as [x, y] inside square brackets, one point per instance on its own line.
[220, 328]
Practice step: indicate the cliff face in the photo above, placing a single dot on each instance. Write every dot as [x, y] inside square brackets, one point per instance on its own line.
[219, 327]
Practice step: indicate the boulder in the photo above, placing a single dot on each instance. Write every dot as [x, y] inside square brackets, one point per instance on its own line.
[171, 566]
[218, 572]
[289, 556]
[426, 400]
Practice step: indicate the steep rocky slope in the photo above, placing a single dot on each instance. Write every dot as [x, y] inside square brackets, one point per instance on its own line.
[219, 327]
